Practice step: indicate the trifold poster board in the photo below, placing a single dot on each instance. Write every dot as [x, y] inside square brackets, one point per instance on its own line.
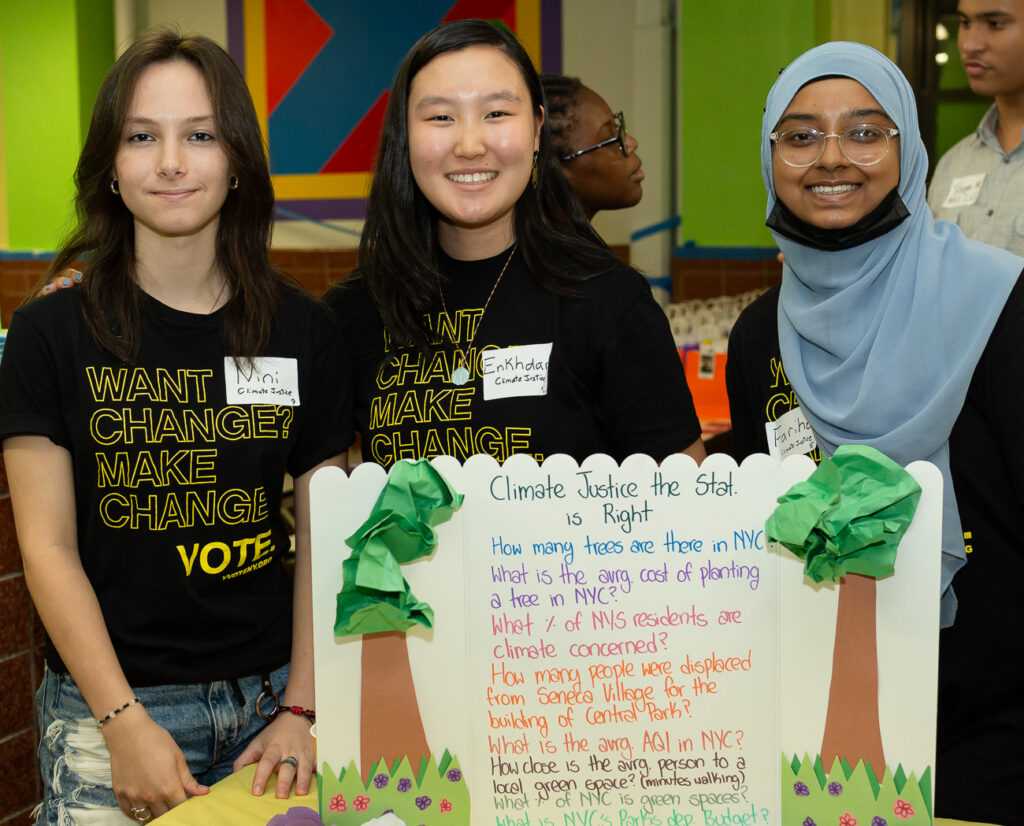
[618, 646]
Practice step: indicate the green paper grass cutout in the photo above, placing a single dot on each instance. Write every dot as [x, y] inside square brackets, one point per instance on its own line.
[926, 787]
[374, 595]
[876, 785]
[436, 794]
[819, 771]
[848, 516]
[900, 779]
[811, 797]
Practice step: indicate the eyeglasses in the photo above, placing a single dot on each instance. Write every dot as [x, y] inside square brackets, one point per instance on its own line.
[620, 139]
[861, 145]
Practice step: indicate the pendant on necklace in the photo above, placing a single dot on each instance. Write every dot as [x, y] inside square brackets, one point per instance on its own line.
[460, 375]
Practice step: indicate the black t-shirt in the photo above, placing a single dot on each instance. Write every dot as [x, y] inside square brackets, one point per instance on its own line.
[615, 383]
[979, 765]
[177, 492]
[759, 391]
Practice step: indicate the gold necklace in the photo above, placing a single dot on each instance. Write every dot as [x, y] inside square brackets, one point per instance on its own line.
[460, 373]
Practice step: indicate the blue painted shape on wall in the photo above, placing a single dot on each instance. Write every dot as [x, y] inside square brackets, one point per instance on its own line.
[343, 81]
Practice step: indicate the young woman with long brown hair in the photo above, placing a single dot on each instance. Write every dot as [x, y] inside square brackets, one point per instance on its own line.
[148, 420]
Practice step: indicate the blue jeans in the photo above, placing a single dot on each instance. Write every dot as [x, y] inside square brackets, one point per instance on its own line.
[212, 723]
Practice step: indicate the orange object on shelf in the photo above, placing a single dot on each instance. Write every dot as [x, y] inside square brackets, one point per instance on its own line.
[709, 394]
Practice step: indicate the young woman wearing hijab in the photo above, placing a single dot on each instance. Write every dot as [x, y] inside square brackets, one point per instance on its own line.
[486, 314]
[598, 155]
[887, 342]
[145, 467]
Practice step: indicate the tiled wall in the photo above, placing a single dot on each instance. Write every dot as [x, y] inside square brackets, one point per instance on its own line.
[20, 672]
[315, 270]
[695, 278]
[17, 278]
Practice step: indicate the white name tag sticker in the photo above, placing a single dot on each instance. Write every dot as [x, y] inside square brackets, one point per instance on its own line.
[964, 191]
[267, 380]
[790, 435]
[516, 371]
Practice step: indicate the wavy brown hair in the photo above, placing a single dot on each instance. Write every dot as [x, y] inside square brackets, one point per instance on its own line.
[104, 237]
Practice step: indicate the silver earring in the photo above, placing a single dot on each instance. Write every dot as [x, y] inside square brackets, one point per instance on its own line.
[114, 187]
[233, 182]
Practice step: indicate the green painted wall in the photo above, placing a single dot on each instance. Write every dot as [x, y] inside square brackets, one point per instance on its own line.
[955, 119]
[53, 54]
[729, 55]
[95, 40]
[3, 167]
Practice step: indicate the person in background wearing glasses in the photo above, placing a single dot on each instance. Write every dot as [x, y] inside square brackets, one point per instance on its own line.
[598, 155]
[899, 332]
[979, 183]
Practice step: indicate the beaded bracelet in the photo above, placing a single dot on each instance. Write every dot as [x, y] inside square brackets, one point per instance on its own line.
[114, 712]
[298, 711]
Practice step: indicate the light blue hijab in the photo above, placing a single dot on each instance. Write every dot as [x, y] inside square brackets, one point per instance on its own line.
[880, 340]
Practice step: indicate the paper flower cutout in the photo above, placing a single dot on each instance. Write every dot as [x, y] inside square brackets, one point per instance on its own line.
[404, 785]
[297, 816]
[454, 775]
[446, 806]
[800, 789]
[849, 516]
[835, 789]
[337, 803]
[878, 820]
[423, 803]
[380, 781]
[846, 819]
[903, 810]
[361, 803]
[808, 821]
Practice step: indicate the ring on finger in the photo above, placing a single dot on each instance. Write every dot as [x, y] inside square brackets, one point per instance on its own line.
[140, 814]
[290, 760]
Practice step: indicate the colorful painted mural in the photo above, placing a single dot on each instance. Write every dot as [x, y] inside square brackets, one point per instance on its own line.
[320, 70]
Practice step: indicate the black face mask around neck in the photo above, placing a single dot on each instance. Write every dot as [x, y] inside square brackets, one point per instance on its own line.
[889, 214]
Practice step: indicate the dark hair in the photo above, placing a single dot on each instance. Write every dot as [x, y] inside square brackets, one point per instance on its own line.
[104, 238]
[561, 93]
[398, 252]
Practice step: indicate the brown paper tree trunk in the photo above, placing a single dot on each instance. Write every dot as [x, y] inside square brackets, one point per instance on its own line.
[852, 728]
[391, 726]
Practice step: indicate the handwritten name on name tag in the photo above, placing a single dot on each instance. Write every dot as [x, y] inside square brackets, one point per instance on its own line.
[516, 371]
[964, 191]
[267, 380]
[790, 435]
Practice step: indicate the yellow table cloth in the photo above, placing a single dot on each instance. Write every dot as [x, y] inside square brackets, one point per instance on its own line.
[229, 803]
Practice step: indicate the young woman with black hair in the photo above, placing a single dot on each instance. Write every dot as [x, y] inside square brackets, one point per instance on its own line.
[148, 420]
[487, 316]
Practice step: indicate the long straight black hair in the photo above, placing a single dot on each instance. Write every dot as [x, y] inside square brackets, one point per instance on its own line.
[398, 256]
[104, 238]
